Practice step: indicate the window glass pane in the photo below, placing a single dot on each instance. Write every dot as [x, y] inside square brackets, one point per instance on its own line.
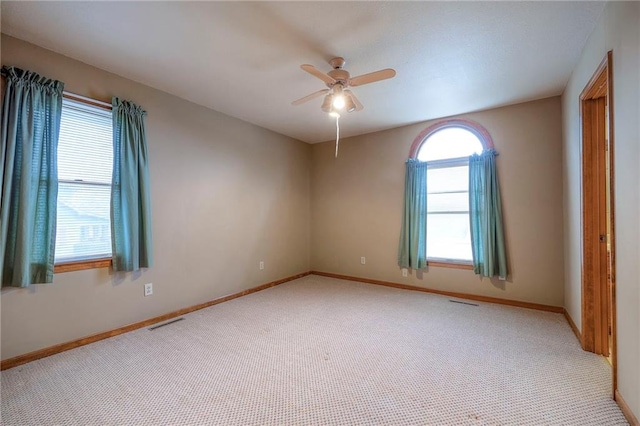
[450, 142]
[448, 236]
[452, 202]
[85, 161]
[84, 225]
[85, 150]
[448, 179]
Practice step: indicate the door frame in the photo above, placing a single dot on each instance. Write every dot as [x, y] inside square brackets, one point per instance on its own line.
[598, 297]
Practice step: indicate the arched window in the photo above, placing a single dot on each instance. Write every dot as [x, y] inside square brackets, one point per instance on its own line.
[446, 147]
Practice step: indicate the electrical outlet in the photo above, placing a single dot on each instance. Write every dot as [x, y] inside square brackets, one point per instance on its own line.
[363, 260]
[404, 272]
[148, 289]
[261, 265]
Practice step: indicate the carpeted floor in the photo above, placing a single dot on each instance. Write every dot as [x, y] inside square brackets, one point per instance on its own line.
[325, 352]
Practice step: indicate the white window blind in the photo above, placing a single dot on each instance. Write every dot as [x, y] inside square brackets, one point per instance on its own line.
[85, 161]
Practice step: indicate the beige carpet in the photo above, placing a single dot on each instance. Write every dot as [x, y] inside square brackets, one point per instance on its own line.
[325, 352]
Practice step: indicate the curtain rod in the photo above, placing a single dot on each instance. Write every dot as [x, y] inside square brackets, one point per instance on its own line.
[84, 99]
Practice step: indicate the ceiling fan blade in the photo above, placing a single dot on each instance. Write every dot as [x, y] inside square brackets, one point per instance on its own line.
[316, 72]
[356, 101]
[372, 77]
[309, 97]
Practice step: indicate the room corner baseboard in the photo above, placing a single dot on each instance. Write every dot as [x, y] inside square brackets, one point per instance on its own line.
[631, 418]
[52, 350]
[573, 325]
[487, 299]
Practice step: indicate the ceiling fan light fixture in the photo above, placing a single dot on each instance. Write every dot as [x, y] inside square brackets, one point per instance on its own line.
[338, 97]
[349, 105]
[327, 103]
[338, 101]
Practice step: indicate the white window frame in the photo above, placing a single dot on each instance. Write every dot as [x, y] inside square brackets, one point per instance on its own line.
[98, 260]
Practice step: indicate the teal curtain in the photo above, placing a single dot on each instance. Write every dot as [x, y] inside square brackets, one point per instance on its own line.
[412, 252]
[485, 213]
[31, 113]
[130, 198]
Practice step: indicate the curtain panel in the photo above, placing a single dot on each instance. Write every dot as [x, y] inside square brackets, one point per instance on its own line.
[31, 112]
[130, 196]
[412, 252]
[485, 214]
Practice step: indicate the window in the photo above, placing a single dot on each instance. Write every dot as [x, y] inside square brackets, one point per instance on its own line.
[446, 147]
[85, 161]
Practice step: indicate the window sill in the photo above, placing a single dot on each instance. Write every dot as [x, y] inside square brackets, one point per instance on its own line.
[81, 265]
[453, 265]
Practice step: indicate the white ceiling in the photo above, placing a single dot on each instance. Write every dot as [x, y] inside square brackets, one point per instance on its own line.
[243, 58]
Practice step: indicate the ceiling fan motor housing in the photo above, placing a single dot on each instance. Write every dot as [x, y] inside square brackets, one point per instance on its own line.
[341, 76]
[337, 73]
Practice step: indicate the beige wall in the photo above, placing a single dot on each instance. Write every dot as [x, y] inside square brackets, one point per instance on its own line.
[617, 30]
[225, 195]
[357, 204]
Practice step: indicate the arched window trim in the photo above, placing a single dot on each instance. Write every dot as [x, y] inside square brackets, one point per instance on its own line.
[475, 128]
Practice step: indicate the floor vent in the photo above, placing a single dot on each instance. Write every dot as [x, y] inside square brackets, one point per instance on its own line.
[166, 323]
[463, 303]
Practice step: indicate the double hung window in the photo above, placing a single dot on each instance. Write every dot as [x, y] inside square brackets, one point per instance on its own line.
[85, 162]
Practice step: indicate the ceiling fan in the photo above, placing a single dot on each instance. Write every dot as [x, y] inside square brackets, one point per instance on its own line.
[338, 97]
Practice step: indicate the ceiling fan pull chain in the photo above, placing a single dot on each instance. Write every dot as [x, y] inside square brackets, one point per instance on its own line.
[337, 133]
